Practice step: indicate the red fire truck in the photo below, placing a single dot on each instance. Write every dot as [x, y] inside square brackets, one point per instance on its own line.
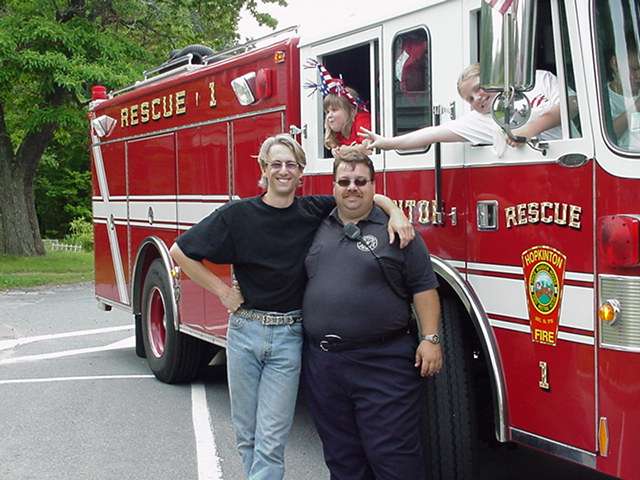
[537, 248]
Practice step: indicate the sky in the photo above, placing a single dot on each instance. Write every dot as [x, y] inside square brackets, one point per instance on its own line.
[312, 16]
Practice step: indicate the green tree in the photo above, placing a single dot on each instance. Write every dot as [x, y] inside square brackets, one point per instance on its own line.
[52, 51]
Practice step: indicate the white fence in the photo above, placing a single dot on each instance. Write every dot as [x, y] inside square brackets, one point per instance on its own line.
[57, 246]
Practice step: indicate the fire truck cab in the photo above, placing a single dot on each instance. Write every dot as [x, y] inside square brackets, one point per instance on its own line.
[537, 247]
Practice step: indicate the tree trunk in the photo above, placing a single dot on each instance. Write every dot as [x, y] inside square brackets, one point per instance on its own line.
[19, 231]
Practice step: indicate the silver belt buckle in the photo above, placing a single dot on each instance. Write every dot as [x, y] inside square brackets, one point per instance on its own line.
[329, 339]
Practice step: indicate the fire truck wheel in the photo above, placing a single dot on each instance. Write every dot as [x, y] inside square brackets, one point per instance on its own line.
[172, 356]
[450, 419]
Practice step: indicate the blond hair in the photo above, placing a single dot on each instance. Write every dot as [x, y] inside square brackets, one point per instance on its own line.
[286, 141]
[342, 102]
[472, 71]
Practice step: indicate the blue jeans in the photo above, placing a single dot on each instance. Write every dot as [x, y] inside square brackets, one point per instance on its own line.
[263, 366]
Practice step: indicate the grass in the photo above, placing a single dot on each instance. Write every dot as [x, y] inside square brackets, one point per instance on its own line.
[54, 268]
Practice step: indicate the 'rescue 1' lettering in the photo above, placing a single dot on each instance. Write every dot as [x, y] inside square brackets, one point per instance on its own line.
[557, 213]
[160, 107]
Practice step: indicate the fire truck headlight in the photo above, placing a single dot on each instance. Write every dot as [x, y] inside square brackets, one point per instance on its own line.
[609, 311]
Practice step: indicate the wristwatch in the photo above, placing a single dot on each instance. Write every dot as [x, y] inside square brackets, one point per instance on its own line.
[433, 338]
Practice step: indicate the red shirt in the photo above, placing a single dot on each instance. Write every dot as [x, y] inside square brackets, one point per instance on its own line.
[363, 119]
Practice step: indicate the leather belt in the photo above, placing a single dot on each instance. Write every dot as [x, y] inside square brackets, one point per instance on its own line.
[336, 343]
[270, 318]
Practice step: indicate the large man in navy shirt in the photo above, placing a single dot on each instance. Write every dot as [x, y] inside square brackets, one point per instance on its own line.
[362, 366]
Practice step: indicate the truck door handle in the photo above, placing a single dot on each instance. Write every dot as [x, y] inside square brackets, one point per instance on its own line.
[572, 160]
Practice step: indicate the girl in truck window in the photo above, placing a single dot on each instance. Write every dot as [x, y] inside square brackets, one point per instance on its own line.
[345, 112]
[477, 126]
[343, 119]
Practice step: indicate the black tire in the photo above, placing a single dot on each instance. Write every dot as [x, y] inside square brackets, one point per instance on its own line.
[139, 336]
[451, 439]
[209, 351]
[173, 357]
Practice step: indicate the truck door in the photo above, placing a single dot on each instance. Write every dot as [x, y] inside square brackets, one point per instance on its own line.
[421, 70]
[151, 171]
[356, 58]
[203, 186]
[530, 257]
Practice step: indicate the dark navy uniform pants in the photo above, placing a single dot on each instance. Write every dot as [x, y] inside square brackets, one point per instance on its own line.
[366, 405]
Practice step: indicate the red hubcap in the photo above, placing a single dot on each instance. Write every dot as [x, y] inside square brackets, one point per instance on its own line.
[156, 322]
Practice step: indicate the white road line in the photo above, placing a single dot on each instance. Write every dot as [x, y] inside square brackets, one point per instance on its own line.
[126, 343]
[206, 452]
[13, 342]
[71, 379]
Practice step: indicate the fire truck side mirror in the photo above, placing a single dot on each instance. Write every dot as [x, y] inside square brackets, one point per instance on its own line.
[507, 40]
[511, 110]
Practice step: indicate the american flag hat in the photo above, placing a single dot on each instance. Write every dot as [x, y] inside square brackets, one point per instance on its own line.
[503, 6]
[329, 84]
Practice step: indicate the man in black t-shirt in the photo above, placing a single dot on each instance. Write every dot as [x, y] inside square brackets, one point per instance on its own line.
[361, 363]
[265, 238]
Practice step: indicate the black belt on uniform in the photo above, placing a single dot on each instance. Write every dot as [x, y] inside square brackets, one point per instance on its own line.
[270, 318]
[336, 343]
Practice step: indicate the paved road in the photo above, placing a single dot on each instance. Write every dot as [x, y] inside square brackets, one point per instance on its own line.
[76, 403]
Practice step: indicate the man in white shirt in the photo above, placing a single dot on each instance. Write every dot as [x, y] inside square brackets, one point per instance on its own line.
[624, 101]
[477, 127]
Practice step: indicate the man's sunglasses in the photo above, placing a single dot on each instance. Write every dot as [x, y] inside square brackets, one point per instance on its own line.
[358, 182]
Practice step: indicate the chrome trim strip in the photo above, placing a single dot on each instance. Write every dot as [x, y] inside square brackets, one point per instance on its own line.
[158, 134]
[113, 303]
[161, 247]
[617, 277]
[489, 344]
[155, 225]
[558, 449]
[516, 327]
[607, 346]
[457, 263]
[190, 67]
[490, 267]
[580, 277]
[166, 131]
[203, 336]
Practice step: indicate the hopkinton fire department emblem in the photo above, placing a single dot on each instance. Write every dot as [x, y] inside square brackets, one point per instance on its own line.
[544, 280]
[370, 240]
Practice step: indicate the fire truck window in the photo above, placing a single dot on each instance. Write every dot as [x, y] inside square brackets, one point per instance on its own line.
[575, 128]
[411, 81]
[545, 51]
[618, 40]
[353, 66]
